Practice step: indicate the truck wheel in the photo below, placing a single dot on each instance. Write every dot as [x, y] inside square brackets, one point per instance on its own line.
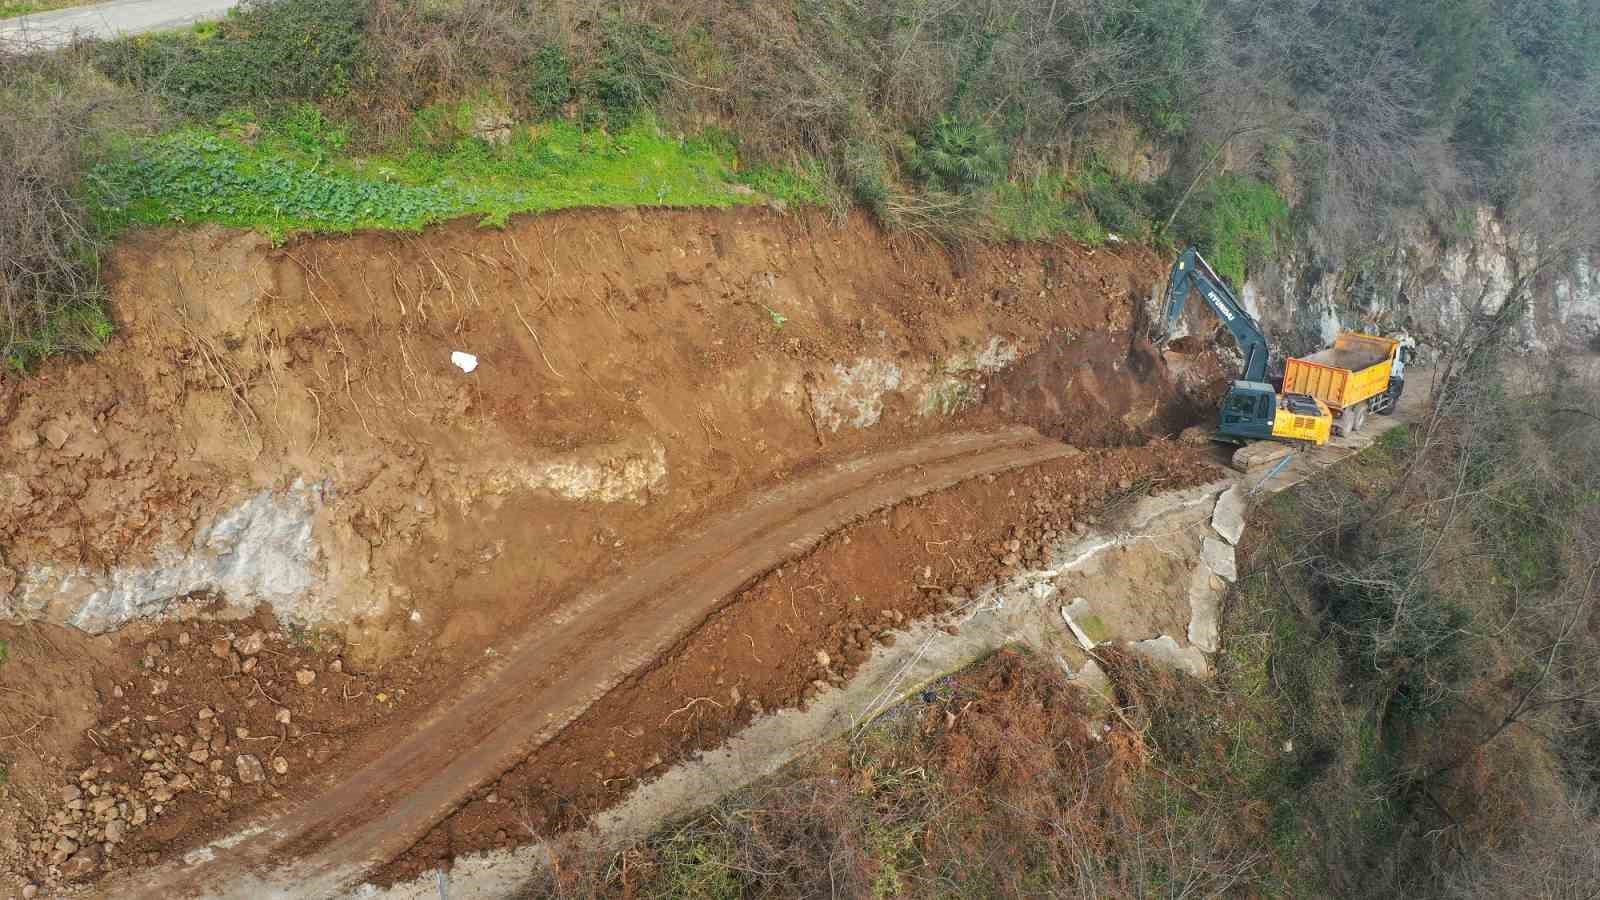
[1360, 413]
[1397, 386]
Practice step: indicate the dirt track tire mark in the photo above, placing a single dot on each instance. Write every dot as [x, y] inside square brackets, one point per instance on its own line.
[551, 675]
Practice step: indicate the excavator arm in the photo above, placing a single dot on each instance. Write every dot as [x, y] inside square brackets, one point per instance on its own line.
[1191, 271]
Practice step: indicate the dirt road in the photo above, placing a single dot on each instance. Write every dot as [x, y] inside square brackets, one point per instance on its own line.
[553, 673]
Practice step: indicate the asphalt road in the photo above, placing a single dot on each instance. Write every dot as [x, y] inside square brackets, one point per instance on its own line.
[48, 30]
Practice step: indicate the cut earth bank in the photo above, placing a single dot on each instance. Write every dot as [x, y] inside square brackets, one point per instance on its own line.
[1147, 578]
[279, 432]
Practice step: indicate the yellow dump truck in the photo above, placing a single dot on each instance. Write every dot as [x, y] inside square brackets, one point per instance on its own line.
[1359, 374]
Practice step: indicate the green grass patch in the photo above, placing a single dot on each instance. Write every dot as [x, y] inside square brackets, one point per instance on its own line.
[1395, 440]
[29, 7]
[297, 174]
[82, 326]
[1044, 208]
[1237, 219]
[806, 187]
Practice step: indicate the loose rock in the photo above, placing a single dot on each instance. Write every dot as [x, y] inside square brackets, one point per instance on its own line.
[250, 771]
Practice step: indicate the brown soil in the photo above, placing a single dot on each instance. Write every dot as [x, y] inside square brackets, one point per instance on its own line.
[603, 337]
[1094, 390]
[175, 706]
[766, 648]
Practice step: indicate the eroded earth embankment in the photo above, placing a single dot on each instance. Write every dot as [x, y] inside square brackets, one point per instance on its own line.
[279, 432]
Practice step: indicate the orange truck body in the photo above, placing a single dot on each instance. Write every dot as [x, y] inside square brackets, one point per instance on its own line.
[1354, 369]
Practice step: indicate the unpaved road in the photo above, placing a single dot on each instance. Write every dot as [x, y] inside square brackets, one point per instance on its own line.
[547, 677]
[49, 30]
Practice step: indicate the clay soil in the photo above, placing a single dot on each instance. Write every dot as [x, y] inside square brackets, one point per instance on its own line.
[604, 339]
[607, 341]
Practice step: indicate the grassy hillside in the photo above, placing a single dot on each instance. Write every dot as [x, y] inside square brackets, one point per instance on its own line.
[1155, 120]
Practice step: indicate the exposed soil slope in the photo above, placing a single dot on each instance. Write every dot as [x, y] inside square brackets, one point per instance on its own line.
[638, 368]
[802, 628]
[284, 428]
[548, 677]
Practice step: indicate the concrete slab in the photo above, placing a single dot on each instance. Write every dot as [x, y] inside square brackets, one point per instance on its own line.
[1205, 603]
[1228, 517]
[1219, 557]
[1090, 629]
[1165, 651]
[1093, 679]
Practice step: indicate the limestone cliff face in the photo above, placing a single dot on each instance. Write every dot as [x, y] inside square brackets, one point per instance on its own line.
[1425, 288]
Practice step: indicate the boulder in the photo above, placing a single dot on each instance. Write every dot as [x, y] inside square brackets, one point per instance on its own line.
[1228, 515]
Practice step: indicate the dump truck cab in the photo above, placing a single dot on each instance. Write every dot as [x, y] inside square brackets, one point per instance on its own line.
[1252, 410]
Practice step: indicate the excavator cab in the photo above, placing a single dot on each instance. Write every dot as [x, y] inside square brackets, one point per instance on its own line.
[1253, 411]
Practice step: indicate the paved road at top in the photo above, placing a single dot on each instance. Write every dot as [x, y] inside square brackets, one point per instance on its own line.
[48, 30]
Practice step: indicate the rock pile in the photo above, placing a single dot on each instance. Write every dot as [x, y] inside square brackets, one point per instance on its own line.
[148, 766]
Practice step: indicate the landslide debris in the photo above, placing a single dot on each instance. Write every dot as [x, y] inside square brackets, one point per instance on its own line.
[196, 726]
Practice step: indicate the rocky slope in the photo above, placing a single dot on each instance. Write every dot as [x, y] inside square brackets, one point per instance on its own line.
[1425, 287]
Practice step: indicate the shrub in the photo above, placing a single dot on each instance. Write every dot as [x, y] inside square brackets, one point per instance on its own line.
[866, 174]
[626, 76]
[50, 294]
[956, 156]
[1237, 219]
[1117, 203]
[267, 52]
[549, 81]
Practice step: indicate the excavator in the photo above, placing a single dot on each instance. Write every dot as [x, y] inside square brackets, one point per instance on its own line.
[1252, 410]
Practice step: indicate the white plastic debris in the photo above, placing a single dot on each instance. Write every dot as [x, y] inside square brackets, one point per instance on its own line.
[466, 362]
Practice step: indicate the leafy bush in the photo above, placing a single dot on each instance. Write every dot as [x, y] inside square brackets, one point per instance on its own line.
[1237, 219]
[266, 53]
[549, 79]
[1117, 203]
[866, 174]
[626, 76]
[956, 156]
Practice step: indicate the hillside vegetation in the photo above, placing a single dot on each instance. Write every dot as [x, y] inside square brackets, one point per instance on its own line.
[1167, 120]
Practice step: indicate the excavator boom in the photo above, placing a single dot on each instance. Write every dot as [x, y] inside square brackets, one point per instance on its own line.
[1192, 272]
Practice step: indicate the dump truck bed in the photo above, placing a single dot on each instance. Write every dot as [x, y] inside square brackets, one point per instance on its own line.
[1354, 369]
[1352, 358]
